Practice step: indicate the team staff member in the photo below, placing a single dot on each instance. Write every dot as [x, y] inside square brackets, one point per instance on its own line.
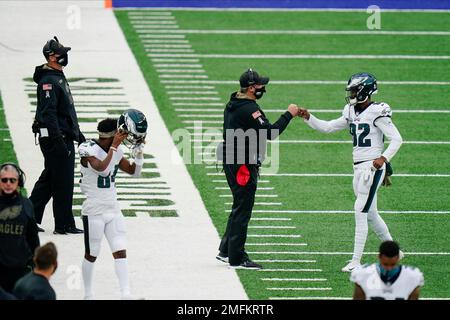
[242, 159]
[18, 229]
[35, 285]
[56, 123]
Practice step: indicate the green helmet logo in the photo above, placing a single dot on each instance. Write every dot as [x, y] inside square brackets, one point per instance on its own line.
[360, 87]
[135, 124]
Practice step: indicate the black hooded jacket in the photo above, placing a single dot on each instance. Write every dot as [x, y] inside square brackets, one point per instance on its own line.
[55, 108]
[246, 130]
[18, 232]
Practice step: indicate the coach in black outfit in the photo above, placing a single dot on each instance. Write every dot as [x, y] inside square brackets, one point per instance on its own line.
[56, 123]
[18, 229]
[242, 158]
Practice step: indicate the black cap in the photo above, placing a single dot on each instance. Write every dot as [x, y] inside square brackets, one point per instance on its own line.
[251, 77]
[54, 47]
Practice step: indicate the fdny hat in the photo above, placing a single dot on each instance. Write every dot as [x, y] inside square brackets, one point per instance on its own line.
[54, 47]
[251, 77]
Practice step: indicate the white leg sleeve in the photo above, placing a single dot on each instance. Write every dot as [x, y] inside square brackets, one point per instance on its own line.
[121, 267]
[361, 230]
[87, 269]
[377, 223]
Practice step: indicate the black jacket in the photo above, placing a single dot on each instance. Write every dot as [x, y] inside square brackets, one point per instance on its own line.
[18, 232]
[243, 117]
[55, 108]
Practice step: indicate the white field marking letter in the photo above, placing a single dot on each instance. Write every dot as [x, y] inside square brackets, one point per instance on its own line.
[374, 20]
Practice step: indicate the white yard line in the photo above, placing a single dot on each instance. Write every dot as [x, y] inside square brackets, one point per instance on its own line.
[348, 141]
[177, 65]
[350, 211]
[310, 298]
[270, 244]
[311, 32]
[299, 289]
[345, 253]
[270, 227]
[271, 219]
[308, 56]
[292, 279]
[273, 235]
[197, 104]
[407, 175]
[305, 82]
[192, 92]
[290, 270]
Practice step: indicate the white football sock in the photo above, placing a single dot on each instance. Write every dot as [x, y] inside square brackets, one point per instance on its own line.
[121, 266]
[87, 269]
[360, 235]
[379, 226]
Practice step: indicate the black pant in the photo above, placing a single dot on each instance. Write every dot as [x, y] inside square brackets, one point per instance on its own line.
[233, 241]
[56, 181]
[9, 277]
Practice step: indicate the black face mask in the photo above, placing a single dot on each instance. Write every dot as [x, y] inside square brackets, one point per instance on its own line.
[63, 60]
[259, 92]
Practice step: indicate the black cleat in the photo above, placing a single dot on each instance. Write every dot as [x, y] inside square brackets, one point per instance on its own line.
[74, 230]
[248, 265]
[222, 257]
[59, 231]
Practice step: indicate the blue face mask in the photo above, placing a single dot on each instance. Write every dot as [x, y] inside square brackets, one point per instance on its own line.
[387, 276]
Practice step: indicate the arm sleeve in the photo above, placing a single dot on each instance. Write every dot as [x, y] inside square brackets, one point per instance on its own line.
[259, 121]
[48, 100]
[388, 128]
[327, 126]
[32, 236]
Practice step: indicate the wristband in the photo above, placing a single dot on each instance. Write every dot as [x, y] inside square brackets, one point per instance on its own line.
[113, 148]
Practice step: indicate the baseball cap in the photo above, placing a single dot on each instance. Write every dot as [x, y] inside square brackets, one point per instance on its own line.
[251, 77]
[54, 47]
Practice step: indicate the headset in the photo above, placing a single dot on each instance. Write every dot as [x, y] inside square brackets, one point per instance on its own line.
[19, 171]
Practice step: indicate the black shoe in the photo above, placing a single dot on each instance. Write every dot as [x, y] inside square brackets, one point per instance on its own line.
[59, 231]
[222, 257]
[74, 230]
[248, 265]
[39, 229]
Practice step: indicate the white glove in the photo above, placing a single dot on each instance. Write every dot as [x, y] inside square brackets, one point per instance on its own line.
[137, 151]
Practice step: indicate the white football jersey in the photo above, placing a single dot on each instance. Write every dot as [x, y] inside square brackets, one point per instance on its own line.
[368, 278]
[100, 189]
[368, 142]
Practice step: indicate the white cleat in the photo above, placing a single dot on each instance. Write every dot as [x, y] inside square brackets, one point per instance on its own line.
[401, 255]
[352, 265]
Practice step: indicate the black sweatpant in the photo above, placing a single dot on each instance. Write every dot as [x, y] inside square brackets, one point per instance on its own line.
[233, 241]
[56, 181]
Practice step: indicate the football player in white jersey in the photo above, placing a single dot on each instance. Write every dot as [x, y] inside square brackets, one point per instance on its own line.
[387, 279]
[368, 123]
[100, 161]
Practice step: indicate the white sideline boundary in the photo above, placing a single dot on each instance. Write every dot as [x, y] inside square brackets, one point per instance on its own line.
[168, 258]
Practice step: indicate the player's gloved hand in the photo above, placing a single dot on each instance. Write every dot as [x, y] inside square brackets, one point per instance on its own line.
[137, 151]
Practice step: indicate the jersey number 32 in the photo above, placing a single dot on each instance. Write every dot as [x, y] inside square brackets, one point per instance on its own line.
[359, 139]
